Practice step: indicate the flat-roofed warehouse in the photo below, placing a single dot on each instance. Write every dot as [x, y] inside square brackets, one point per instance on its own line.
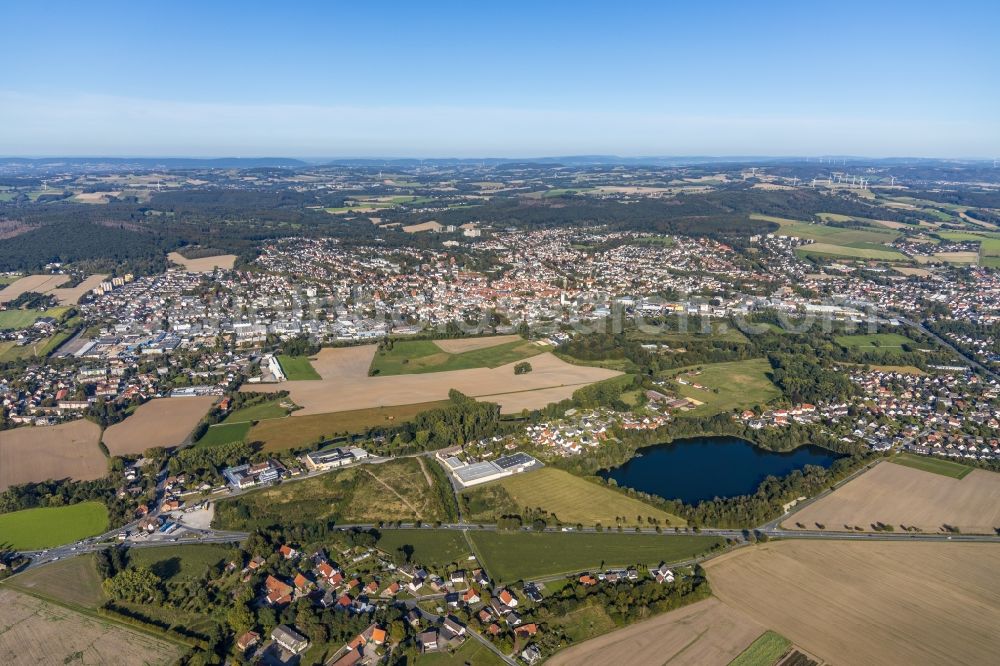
[479, 472]
[490, 470]
[517, 462]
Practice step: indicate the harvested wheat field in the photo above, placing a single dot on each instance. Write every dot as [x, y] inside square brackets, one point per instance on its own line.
[71, 295]
[514, 402]
[160, 422]
[462, 345]
[874, 602]
[39, 453]
[96, 197]
[705, 633]
[36, 283]
[423, 226]
[898, 495]
[33, 631]
[203, 264]
[345, 383]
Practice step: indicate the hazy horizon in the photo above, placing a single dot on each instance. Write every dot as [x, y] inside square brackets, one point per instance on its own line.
[461, 81]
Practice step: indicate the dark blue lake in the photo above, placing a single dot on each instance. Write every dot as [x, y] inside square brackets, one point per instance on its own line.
[701, 468]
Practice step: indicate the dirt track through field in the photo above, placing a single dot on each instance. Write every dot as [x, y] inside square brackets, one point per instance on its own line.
[161, 422]
[706, 633]
[393, 491]
[870, 602]
[345, 383]
[899, 495]
[39, 453]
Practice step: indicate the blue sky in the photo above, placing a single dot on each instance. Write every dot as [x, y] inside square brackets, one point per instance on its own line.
[500, 79]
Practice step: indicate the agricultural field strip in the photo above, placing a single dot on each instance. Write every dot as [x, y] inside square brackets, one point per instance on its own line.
[870, 602]
[899, 495]
[346, 385]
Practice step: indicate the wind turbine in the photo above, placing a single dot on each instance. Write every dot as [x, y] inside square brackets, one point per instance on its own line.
[892, 181]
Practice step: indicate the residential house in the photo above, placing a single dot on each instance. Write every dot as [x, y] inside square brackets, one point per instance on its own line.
[428, 640]
[289, 639]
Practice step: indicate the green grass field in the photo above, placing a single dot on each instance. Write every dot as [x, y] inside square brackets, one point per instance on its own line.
[572, 499]
[471, 653]
[934, 465]
[730, 385]
[862, 251]
[271, 409]
[223, 434]
[869, 242]
[989, 244]
[286, 433]
[526, 555]
[32, 529]
[430, 547]
[889, 343]
[822, 233]
[587, 621]
[179, 563]
[409, 357]
[297, 367]
[14, 319]
[765, 651]
[72, 581]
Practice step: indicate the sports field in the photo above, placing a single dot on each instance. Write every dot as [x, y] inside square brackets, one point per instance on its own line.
[32, 529]
[39, 453]
[903, 496]
[511, 556]
[408, 357]
[164, 422]
[877, 602]
[430, 547]
[706, 633]
[571, 499]
[297, 368]
[727, 386]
